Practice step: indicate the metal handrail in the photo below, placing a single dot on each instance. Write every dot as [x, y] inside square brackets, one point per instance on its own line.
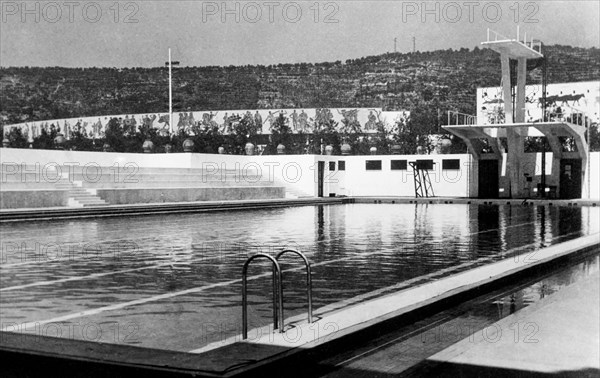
[577, 116]
[308, 278]
[461, 119]
[277, 294]
[497, 37]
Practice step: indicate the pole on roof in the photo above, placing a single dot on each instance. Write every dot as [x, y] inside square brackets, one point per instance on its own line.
[170, 95]
[544, 118]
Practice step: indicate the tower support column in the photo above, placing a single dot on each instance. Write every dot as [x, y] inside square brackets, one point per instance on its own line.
[506, 87]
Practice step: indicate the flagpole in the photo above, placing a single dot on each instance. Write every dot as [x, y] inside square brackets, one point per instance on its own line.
[170, 96]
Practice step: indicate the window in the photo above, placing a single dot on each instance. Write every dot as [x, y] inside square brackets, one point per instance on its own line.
[425, 164]
[332, 165]
[398, 165]
[341, 165]
[451, 164]
[373, 165]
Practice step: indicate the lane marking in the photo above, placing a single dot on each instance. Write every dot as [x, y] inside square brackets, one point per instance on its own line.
[125, 240]
[184, 262]
[25, 326]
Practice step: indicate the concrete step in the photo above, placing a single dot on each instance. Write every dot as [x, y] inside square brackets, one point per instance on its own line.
[88, 198]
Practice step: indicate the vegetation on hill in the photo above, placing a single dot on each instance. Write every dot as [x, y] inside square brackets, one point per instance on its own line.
[427, 84]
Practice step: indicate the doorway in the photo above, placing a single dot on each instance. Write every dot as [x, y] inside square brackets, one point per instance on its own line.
[488, 179]
[570, 178]
[321, 176]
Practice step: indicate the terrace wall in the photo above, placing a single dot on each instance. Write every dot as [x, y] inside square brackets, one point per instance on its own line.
[296, 173]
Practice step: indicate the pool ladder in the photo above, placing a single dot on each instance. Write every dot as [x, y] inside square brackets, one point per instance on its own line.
[278, 320]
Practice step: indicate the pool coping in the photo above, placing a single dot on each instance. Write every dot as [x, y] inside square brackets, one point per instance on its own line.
[242, 357]
[20, 215]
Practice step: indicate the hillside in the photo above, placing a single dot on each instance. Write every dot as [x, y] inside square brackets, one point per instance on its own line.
[427, 81]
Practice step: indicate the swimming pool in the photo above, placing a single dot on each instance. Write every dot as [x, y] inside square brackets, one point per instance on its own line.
[174, 281]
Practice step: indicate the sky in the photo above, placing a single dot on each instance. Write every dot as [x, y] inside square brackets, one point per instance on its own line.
[205, 33]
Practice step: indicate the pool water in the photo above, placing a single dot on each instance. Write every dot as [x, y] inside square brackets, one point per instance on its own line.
[174, 281]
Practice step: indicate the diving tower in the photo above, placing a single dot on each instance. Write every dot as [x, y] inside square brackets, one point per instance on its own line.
[510, 122]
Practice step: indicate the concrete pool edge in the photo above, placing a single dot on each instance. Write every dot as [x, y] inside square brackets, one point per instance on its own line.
[243, 357]
[20, 215]
[391, 313]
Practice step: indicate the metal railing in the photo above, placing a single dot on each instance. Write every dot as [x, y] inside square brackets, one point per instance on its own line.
[573, 115]
[308, 278]
[496, 36]
[493, 36]
[277, 294]
[567, 114]
[457, 118]
[278, 320]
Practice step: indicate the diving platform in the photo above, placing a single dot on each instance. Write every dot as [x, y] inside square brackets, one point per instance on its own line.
[513, 48]
[484, 142]
[502, 124]
[552, 130]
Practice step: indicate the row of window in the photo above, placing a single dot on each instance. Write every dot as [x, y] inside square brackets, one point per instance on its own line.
[400, 165]
[341, 165]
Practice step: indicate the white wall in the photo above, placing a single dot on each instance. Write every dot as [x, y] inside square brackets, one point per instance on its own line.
[446, 183]
[299, 172]
[295, 172]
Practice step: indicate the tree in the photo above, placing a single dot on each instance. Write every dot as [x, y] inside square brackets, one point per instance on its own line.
[406, 136]
[325, 133]
[45, 141]
[281, 133]
[16, 138]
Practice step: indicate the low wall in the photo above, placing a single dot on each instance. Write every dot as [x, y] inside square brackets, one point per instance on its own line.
[392, 175]
[452, 175]
[129, 196]
[33, 198]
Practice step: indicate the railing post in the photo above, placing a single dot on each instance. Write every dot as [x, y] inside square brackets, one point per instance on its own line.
[277, 294]
[308, 278]
[275, 287]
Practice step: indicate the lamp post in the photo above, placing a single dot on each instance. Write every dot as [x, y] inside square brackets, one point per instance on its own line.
[170, 65]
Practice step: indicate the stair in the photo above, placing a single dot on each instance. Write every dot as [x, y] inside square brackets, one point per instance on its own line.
[295, 193]
[78, 196]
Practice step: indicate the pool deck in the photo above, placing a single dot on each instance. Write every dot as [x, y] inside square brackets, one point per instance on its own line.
[266, 348]
[558, 335]
[51, 213]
